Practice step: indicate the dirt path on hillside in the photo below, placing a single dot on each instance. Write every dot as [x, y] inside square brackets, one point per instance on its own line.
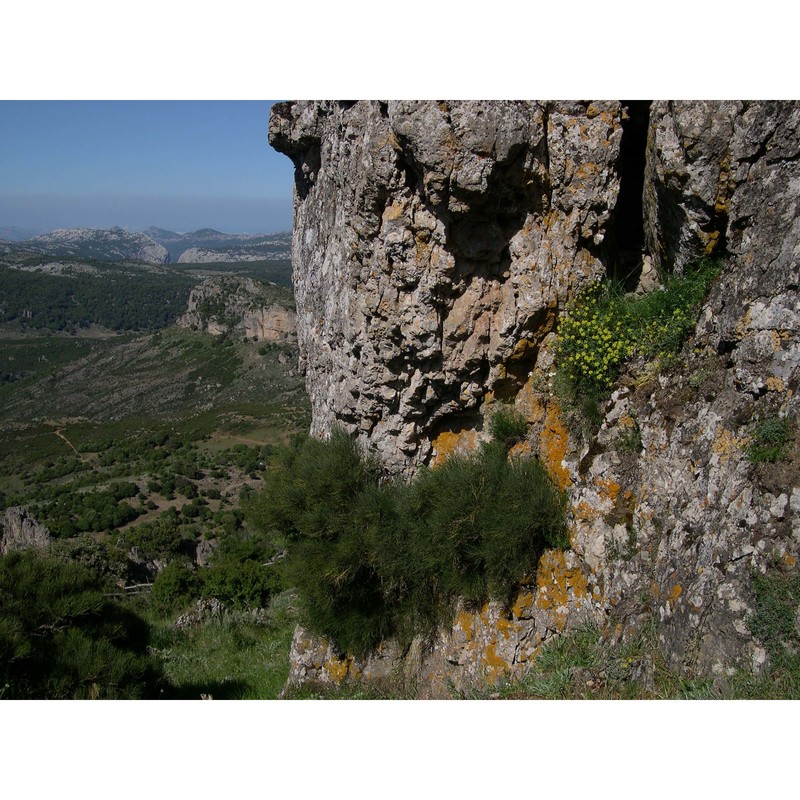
[60, 435]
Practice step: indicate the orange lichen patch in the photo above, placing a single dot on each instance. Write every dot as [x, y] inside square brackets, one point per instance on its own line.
[789, 559]
[608, 489]
[523, 604]
[712, 240]
[626, 421]
[722, 201]
[555, 581]
[466, 622]
[677, 589]
[726, 444]
[584, 512]
[527, 401]
[452, 442]
[496, 666]
[553, 443]
[586, 170]
[504, 626]
[423, 249]
[655, 590]
[337, 668]
[775, 384]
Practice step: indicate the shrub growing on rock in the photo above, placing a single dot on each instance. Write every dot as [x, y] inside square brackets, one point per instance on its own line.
[371, 559]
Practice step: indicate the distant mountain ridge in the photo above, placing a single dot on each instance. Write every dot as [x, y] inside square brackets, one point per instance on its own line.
[114, 244]
[208, 245]
[153, 245]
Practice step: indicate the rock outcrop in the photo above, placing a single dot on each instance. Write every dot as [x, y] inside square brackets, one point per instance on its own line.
[259, 311]
[20, 531]
[435, 246]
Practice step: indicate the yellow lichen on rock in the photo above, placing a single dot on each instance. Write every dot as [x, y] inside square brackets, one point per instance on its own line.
[553, 443]
[496, 666]
[337, 668]
[726, 444]
[453, 443]
[556, 581]
[775, 384]
[465, 622]
[523, 604]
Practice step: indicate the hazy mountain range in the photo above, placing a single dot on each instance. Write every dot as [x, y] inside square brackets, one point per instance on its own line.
[154, 245]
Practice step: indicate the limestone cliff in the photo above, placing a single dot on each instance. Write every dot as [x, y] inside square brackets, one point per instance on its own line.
[435, 246]
[259, 311]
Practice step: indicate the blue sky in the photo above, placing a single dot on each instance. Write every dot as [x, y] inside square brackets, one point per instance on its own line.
[180, 165]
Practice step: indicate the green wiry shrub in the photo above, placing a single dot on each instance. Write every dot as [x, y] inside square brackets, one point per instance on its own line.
[373, 559]
[507, 425]
[61, 637]
[604, 327]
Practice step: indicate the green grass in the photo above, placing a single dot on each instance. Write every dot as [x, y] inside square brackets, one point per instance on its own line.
[235, 658]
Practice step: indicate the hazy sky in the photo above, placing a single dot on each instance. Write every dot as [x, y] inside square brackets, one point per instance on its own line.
[180, 165]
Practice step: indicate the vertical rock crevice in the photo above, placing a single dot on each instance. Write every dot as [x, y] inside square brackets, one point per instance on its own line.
[624, 245]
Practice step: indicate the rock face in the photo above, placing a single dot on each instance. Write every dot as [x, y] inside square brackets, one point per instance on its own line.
[257, 310]
[436, 244]
[20, 531]
[114, 244]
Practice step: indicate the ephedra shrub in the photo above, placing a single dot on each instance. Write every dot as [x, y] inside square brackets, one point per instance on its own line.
[372, 559]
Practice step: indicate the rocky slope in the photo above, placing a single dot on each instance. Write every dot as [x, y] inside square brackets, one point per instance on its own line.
[435, 246]
[259, 311]
[114, 244]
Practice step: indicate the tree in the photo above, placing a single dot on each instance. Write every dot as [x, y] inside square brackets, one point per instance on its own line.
[61, 637]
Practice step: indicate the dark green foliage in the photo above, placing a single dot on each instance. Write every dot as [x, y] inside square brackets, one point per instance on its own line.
[157, 539]
[771, 438]
[114, 298]
[239, 572]
[103, 559]
[507, 425]
[61, 637]
[278, 271]
[69, 513]
[372, 559]
[174, 588]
